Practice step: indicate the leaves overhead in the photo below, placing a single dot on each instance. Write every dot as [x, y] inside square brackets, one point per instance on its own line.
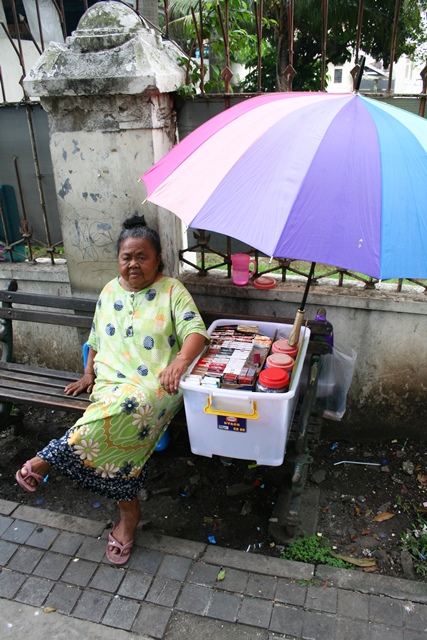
[376, 36]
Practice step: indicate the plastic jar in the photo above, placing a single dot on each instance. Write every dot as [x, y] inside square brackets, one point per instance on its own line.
[280, 361]
[282, 346]
[273, 381]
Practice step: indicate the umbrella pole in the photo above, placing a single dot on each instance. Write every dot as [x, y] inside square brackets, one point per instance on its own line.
[294, 337]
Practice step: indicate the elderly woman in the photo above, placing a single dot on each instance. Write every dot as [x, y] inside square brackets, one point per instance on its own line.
[146, 332]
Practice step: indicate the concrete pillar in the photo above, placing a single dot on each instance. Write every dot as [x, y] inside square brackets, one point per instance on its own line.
[107, 95]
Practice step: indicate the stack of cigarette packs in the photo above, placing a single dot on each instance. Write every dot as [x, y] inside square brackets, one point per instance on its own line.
[234, 358]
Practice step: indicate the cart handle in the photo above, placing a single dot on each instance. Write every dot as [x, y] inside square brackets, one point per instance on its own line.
[234, 414]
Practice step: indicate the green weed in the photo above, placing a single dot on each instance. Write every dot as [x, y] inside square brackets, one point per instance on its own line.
[313, 550]
[415, 541]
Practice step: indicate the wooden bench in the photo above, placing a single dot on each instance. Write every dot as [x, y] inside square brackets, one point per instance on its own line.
[24, 384]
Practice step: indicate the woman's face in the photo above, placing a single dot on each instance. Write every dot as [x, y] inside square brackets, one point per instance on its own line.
[138, 263]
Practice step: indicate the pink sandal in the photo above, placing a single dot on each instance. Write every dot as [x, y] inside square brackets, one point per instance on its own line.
[121, 557]
[21, 480]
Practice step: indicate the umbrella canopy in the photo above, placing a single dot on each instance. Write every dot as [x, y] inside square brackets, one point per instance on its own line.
[338, 179]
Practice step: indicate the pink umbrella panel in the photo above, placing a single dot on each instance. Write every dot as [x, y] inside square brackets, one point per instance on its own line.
[338, 179]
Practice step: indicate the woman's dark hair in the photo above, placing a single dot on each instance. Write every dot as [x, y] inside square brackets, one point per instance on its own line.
[136, 227]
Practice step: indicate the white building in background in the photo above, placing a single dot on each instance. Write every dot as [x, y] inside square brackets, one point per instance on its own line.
[406, 77]
[11, 68]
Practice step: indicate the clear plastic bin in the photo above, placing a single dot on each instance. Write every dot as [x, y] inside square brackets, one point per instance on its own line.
[244, 424]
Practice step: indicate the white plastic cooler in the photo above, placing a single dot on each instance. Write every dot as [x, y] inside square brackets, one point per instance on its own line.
[244, 424]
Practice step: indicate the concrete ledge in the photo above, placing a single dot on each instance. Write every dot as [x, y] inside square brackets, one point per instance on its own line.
[167, 544]
[373, 584]
[258, 564]
[60, 521]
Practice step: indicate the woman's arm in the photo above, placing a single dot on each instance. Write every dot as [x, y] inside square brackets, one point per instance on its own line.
[191, 347]
[86, 382]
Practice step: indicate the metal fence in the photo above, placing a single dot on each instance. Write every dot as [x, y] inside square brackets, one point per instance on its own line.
[29, 222]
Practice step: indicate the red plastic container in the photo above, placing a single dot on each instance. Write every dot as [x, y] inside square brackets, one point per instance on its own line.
[280, 361]
[273, 381]
[282, 346]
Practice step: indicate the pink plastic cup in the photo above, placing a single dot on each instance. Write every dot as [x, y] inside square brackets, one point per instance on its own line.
[240, 268]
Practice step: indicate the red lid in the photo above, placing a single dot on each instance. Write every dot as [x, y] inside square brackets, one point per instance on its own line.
[282, 346]
[264, 282]
[281, 361]
[274, 378]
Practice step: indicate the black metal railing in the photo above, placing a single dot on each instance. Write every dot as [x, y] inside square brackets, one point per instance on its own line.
[208, 259]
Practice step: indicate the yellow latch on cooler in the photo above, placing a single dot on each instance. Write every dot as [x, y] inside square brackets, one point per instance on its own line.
[254, 415]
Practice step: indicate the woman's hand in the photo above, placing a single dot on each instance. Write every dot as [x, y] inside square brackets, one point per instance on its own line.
[170, 377]
[84, 384]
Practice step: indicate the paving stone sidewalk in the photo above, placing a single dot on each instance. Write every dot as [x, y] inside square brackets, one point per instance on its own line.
[54, 569]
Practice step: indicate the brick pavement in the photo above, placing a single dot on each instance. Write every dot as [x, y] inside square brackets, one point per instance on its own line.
[169, 589]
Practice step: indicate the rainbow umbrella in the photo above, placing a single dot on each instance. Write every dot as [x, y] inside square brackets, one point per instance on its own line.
[339, 179]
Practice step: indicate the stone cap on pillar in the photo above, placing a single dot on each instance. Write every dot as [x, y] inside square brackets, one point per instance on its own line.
[112, 51]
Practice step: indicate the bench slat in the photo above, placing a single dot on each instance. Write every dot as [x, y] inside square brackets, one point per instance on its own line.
[40, 300]
[37, 371]
[23, 385]
[46, 381]
[47, 317]
[66, 403]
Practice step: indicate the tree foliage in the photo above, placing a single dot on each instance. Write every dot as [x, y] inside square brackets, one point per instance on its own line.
[376, 35]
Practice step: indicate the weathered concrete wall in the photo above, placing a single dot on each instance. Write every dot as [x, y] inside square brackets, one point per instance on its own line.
[99, 147]
[387, 398]
[107, 92]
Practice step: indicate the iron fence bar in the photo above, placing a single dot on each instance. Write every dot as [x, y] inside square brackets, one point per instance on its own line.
[39, 22]
[397, 8]
[359, 29]
[11, 40]
[291, 14]
[18, 37]
[229, 254]
[26, 233]
[224, 23]
[420, 283]
[31, 37]
[324, 40]
[4, 223]
[21, 194]
[25, 228]
[199, 41]
[38, 177]
[201, 48]
[2, 87]
[258, 27]
[61, 12]
[166, 9]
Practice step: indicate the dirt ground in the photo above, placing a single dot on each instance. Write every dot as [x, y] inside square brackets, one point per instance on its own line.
[229, 503]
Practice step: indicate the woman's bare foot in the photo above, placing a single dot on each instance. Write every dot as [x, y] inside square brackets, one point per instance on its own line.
[30, 474]
[124, 532]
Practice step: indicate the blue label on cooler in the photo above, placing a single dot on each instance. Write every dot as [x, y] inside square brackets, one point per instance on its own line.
[231, 423]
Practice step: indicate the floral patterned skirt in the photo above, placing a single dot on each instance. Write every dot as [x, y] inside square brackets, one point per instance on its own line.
[107, 449]
[59, 454]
